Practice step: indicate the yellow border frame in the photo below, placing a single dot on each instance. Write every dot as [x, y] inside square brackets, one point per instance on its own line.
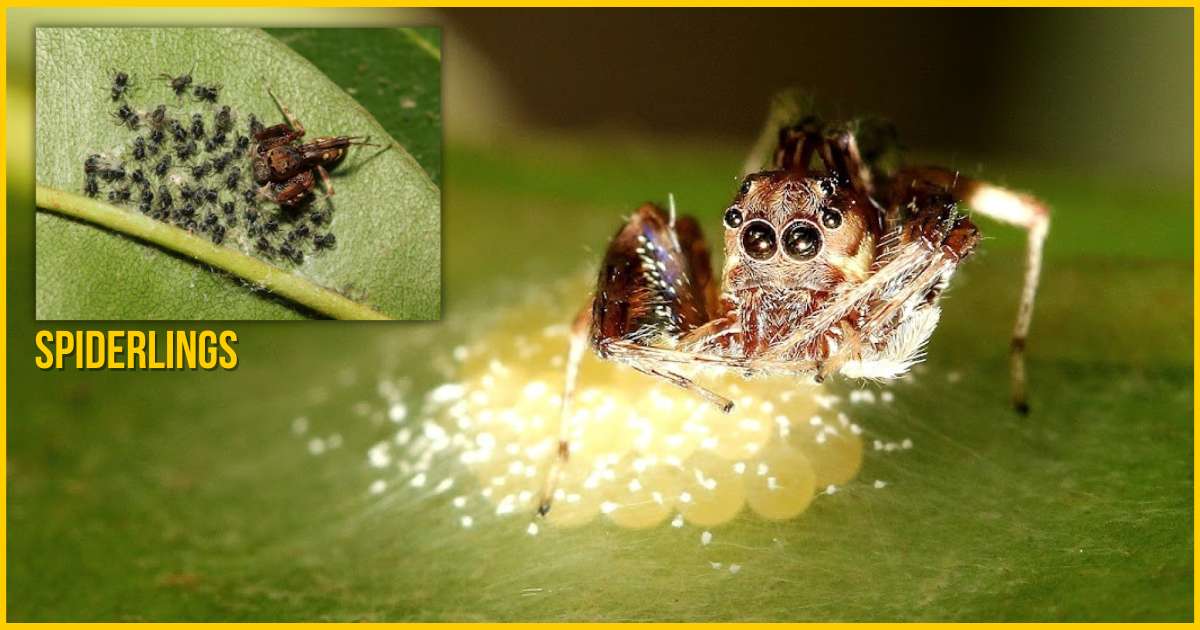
[1194, 4]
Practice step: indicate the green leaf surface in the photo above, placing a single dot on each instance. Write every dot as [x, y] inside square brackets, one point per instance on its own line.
[191, 496]
[386, 211]
[393, 72]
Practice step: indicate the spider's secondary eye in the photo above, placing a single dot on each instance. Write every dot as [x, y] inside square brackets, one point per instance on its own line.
[758, 240]
[801, 240]
[831, 218]
[733, 218]
[745, 187]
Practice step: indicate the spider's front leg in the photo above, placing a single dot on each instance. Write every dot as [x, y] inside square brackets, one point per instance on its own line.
[325, 181]
[876, 328]
[274, 136]
[292, 192]
[1005, 206]
[886, 332]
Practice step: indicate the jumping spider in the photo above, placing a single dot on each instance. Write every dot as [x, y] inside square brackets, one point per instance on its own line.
[832, 265]
[223, 119]
[285, 169]
[128, 117]
[158, 118]
[178, 132]
[121, 84]
[206, 93]
[179, 84]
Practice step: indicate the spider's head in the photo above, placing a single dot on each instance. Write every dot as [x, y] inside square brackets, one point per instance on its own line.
[786, 231]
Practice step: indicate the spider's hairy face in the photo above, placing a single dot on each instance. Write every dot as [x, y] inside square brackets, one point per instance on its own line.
[787, 232]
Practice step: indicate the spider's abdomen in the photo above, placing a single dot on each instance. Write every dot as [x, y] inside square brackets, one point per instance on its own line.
[656, 280]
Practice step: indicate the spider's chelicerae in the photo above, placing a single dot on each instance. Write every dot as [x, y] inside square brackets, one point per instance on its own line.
[834, 263]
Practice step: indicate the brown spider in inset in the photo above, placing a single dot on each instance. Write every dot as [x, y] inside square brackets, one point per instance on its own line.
[285, 168]
[833, 264]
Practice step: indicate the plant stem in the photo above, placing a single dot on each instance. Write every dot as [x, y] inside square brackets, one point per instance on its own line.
[278, 281]
[422, 43]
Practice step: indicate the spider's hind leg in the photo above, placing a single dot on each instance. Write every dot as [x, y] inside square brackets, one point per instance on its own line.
[656, 281]
[579, 342]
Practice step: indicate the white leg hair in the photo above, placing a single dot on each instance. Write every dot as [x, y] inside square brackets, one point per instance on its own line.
[912, 258]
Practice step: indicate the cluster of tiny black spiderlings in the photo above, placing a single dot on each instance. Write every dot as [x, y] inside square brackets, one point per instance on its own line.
[192, 170]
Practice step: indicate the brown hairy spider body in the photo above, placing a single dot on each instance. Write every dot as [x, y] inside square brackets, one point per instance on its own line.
[833, 264]
[284, 168]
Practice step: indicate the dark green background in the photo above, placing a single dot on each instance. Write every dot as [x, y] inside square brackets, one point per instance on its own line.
[162, 496]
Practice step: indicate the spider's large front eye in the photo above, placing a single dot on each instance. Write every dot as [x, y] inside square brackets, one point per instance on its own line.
[801, 241]
[733, 218]
[758, 240]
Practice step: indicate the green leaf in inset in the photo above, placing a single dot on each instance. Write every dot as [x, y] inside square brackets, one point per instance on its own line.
[387, 212]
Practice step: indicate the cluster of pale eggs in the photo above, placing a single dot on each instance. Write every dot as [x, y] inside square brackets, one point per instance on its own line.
[642, 451]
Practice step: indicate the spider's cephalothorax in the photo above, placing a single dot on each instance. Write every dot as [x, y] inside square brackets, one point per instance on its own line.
[833, 264]
[285, 168]
[790, 241]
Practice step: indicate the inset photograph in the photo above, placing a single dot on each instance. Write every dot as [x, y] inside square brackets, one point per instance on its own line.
[238, 174]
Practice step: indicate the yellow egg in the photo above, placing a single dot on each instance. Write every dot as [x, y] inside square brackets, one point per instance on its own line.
[780, 483]
[640, 448]
[642, 495]
[578, 497]
[712, 493]
[739, 434]
[835, 451]
[601, 423]
[661, 429]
